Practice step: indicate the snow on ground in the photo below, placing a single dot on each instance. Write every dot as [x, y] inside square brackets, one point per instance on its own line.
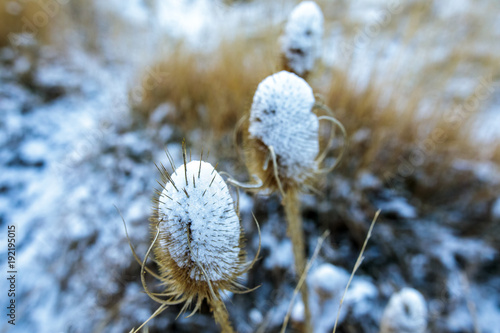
[52, 188]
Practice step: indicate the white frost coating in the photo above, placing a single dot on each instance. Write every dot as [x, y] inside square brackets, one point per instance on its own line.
[302, 38]
[405, 313]
[207, 219]
[281, 117]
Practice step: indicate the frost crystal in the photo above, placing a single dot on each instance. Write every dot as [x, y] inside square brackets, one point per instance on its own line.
[405, 313]
[281, 117]
[301, 40]
[200, 211]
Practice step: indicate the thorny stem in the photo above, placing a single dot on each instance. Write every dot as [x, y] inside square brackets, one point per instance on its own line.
[292, 211]
[221, 316]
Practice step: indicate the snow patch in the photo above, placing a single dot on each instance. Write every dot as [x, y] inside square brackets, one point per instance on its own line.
[281, 255]
[400, 207]
[406, 312]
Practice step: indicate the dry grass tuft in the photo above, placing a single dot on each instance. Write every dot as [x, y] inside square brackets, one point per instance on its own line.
[208, 90]
[52, 22]
[28, 16]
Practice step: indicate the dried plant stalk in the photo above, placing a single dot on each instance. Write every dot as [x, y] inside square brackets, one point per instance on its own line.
[295, 230]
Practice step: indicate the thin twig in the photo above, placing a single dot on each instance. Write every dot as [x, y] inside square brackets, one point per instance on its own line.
[303, 278]
[157, 312]
[356, 266]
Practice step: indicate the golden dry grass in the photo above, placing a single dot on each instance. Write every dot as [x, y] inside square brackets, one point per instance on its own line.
[23, 17]
[209, 90]
[63, 24]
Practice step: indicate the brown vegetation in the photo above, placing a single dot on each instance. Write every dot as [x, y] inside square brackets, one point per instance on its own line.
[30, 16]
[210, 90]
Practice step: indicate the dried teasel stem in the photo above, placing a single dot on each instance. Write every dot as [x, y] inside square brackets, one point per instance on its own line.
[283, 131]
[295, 225]
[221, 316]
[291, 204]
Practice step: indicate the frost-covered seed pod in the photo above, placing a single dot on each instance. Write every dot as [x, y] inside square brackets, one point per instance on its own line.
[302, 38]
[281, 117]
[203, 215]
[405, 313]
[200, 242]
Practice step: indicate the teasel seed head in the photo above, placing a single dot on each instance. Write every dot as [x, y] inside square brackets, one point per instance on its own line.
[301, 41]
[405, 313]
[283, 126]
[199, 241]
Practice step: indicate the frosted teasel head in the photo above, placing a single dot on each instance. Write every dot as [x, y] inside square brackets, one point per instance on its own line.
[405, 313]
[199, 229]
[301, 40]
[281, 117]
[284, 147]
[197, 238]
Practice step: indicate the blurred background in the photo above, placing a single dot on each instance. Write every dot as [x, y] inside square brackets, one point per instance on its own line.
[93, 92]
